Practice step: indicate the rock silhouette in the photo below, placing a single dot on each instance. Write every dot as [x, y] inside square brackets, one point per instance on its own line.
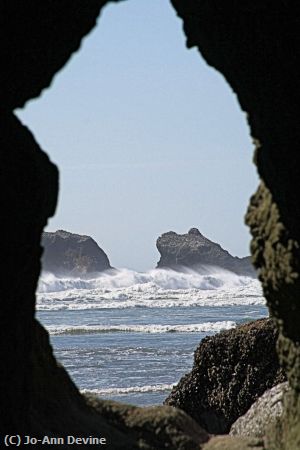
[193, 250]
[72, 254]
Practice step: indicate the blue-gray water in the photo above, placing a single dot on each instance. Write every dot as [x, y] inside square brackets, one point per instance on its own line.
[131, 336]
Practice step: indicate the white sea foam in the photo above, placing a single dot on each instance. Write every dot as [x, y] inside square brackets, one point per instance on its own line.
[207, 278]
[95, 329]
[154, 289]
[129, 390]
[50, 283]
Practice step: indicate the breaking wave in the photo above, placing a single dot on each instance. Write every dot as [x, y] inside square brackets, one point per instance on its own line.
[129, 390]
[207, 278]
[205, 327]
[154, 289]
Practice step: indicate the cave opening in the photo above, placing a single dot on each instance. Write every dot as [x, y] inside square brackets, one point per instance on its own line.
[162, 145]
[242, 41]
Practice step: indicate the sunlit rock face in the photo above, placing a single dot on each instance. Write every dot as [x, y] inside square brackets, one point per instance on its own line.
[193, 250]
[262, 414]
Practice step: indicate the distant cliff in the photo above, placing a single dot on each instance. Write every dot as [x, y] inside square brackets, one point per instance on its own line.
[72, 254]
[193, 249]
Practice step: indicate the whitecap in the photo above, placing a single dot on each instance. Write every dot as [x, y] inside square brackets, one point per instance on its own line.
[128, 390]
[205, 327]
[154, 289]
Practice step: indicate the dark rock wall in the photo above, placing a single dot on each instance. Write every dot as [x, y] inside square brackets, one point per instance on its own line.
[37, 38]
[36, 394]
[255, 45]
[28, 197]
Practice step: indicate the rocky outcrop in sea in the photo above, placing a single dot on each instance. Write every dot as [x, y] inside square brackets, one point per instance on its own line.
[67, 253]
[193, 250]
[231, 371]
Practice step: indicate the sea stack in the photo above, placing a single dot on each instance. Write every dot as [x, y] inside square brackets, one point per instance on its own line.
[192, 250]
[72, 254]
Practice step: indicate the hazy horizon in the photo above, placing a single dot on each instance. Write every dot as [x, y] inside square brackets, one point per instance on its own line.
[148, 138]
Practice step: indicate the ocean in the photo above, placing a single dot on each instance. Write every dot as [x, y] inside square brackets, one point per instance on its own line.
[130, 336]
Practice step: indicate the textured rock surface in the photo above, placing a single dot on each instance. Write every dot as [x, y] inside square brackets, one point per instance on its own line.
[234, 443]
[73, 254]
[265, 411]
[193, 250]
[231, 370]
[152, 428]
[255, 45]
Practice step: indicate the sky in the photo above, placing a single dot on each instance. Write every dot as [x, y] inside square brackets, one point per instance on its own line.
[148, 138]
